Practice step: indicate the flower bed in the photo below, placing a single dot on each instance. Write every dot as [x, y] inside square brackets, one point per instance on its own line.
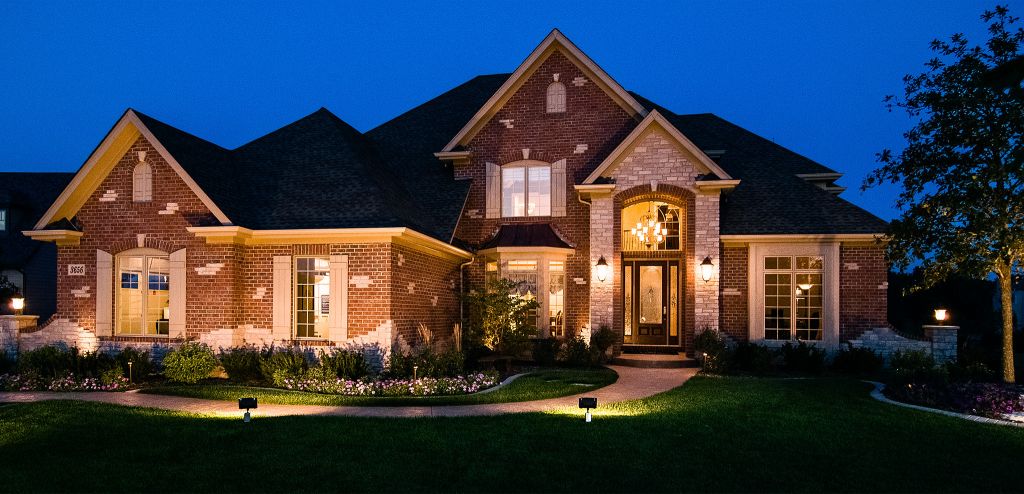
[983, 399]
[70, 382]
[424, 386]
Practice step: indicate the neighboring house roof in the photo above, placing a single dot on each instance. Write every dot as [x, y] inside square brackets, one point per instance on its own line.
[526, 235]
[26, 196]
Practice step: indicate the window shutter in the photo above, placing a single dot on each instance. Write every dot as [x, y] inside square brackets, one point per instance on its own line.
[338, 318]
[104, 293]
[558, 188]
[493, 191]
[176, 325]
[282, 328]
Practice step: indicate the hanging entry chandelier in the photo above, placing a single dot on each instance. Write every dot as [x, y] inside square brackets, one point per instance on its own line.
[650, 230]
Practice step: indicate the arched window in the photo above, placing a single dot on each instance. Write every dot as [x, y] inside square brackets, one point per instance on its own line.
[142, 183]
[556, 97]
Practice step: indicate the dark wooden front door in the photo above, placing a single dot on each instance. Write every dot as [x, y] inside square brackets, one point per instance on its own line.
[651, 296]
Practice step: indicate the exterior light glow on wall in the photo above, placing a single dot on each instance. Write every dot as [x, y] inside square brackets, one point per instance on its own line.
[17, 303]
[707, 269]
[601, 269]
[941, 315]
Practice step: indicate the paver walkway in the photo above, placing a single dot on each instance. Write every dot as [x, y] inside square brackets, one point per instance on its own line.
[633, 383]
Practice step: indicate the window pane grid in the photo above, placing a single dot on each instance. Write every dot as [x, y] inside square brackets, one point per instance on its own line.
[525, 191]
[793, 300]
[312, 297]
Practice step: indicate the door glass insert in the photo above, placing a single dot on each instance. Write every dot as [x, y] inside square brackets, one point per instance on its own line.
[673, 305]
[651, 292]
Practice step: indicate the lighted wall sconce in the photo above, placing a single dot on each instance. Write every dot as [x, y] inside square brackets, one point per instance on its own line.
[941, 315]
[17, 303]
[707, 269]
[601, 269]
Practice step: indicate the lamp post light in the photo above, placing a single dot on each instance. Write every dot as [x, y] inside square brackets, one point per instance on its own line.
[707, 269]
[17, 303]
[129, 372]
[601, 269]
[941, 315]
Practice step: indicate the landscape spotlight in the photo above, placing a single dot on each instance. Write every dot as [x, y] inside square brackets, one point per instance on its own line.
[247, 404]
[588, 403]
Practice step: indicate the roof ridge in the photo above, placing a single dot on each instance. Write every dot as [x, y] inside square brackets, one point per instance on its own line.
[144, 117]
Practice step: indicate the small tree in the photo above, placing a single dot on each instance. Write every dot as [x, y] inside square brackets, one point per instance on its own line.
[962, 170]
[500, 317]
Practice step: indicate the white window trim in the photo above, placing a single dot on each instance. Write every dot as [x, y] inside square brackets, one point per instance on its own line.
[830, 296]
[526, 164]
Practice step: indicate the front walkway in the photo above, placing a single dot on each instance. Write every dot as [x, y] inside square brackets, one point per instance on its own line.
[633, 383]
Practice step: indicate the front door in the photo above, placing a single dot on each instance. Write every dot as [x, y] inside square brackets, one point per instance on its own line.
[651, 308]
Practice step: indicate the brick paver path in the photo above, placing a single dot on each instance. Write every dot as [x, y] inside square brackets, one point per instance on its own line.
[633, 383]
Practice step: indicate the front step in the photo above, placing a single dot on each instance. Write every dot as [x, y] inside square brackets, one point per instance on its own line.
[655, 361]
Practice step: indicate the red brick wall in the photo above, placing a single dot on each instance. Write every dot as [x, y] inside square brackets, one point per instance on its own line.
[112, 227]
[732, 314]
[431, 277]
[592, 118]
[862, 304]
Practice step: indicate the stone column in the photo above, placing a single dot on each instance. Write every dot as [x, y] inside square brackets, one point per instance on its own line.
[706, 244]
[944, 342]
[602, 225]
[10, 329]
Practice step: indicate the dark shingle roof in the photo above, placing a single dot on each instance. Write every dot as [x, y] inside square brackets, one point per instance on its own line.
[319, 172]
[408, 143]
[526, 235]
[25, 196]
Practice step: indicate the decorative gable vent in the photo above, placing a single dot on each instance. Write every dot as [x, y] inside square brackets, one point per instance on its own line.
[556, 97]
[142, 180]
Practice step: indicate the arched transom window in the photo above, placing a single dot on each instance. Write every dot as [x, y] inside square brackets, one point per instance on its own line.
[142, 182]
[651, 226]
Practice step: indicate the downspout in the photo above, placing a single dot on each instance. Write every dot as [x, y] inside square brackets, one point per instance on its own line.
[462, 288]
[579, 197]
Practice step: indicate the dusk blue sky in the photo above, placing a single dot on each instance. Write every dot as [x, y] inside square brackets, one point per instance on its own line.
[809, 75]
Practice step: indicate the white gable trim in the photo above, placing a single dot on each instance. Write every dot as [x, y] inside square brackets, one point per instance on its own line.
[655, 117]
[116, 143]
[554, 41]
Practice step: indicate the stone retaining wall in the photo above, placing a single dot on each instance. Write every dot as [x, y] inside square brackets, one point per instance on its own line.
[939, 341]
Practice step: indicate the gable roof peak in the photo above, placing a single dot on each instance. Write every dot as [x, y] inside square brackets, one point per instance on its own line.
[555, 40]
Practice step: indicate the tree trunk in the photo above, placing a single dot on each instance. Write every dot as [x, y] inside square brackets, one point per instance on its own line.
[1006, 298]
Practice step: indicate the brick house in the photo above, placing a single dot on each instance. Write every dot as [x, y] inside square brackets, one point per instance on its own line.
[319, 234]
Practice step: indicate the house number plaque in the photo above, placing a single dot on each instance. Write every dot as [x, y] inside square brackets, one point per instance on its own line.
[76, 269]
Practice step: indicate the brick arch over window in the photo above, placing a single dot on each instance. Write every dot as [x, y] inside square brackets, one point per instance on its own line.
[512, 156]
[686, 200]
[122, 245]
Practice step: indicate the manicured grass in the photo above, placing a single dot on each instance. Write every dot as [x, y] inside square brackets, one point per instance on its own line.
[712, 434]
[538, 385]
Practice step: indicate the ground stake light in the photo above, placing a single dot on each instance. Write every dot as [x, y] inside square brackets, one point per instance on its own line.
[247, 404]
[588, 403]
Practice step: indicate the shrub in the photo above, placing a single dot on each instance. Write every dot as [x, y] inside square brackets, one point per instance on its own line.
[576, 353]
[346, 364]
[970, 371]
[545, 351]
[283, 363]
[112, 376]
[142, 364]
[915, 366]
[600, 341]
[803, 358]
[499, 319]
[51, 362]
[242, 363]
[712, 351]
[991, 400]
[754, 358]
[426, 364]
[189, 363]
[857, 361]
[7, 362]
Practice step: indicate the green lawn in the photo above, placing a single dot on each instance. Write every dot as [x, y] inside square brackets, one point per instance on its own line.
[712, 434]
[538, 385]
